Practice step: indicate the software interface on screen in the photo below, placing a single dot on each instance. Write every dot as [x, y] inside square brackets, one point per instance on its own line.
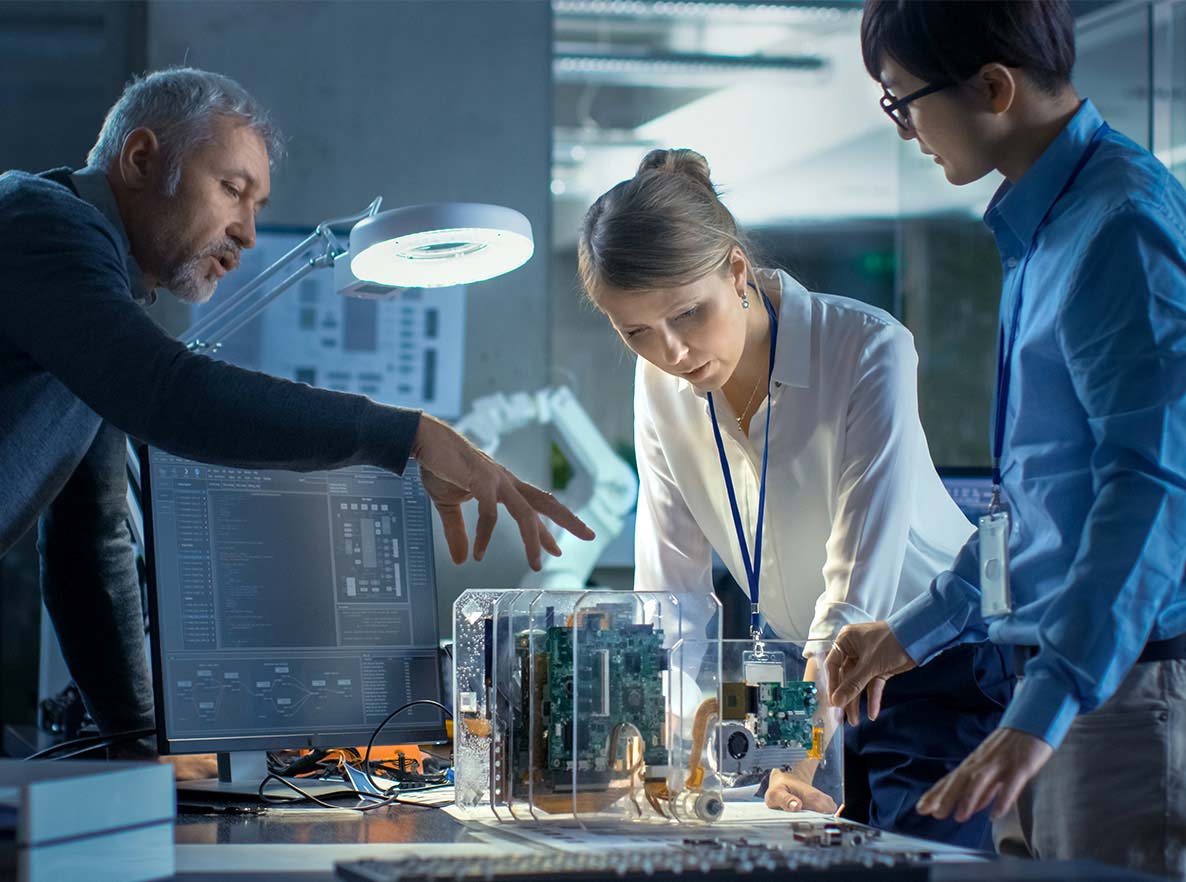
[289, 602]
[971, 492]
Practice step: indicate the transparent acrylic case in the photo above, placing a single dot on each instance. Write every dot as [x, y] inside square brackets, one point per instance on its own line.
[775, 716]
[509, 692]
[587, 705]
[473, 741]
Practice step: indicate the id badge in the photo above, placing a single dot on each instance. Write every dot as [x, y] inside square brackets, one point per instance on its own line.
[995, 597]
[762, 666]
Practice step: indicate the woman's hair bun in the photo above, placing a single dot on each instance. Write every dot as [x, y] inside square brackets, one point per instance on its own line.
[683, 161]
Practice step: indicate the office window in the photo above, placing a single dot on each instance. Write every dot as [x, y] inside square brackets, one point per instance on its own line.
[777, 98]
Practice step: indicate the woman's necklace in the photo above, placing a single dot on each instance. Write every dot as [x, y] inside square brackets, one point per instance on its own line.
[745, 410]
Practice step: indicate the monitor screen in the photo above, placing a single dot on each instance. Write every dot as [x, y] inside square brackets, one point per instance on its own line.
[970, 487]
[289, 609]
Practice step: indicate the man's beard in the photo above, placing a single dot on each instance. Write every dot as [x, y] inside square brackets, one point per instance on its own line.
[190, 280]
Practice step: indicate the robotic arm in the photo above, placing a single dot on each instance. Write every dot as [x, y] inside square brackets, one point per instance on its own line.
[614, 487]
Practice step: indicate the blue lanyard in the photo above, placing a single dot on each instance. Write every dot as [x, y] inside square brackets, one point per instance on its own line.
[1005, 350]
[753, 568]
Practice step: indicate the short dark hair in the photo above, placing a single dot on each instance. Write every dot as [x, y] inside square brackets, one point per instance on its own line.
[939, 40]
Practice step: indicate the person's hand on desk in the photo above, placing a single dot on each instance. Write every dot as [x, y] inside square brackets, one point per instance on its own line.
[454, 471]
[791, 791]
[993, 773]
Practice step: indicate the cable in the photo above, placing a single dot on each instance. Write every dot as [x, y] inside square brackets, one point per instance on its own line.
[89, 743]
[305, 795]
[383, 801]
[387, 798]
[366, 759]
[75, 742]
[300, 766]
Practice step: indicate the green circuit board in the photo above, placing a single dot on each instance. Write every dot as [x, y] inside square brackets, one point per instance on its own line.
[614, 683]
[785, 713]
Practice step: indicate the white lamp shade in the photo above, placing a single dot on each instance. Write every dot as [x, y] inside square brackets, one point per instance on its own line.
[434, 246]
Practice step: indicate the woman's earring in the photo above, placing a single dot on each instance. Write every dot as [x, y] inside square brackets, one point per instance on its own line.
[745, 301]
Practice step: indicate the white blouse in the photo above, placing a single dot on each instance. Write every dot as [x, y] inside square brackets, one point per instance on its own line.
[857, 520]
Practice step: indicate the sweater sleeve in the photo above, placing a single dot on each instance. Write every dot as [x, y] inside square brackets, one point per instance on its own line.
[68, 306]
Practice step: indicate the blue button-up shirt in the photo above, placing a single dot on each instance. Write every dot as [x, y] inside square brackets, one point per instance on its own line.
[1094, 458]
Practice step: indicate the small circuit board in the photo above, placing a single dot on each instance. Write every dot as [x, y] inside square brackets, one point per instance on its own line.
[769, 725]
[785, 714]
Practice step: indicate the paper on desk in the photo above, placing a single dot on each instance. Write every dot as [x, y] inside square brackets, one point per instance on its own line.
[741, 813]
[438, 796]
[751, 817]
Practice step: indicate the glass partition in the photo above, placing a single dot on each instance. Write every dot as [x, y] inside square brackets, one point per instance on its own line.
[777, 98]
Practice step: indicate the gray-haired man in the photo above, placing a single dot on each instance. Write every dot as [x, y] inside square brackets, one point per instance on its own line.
[169, 198]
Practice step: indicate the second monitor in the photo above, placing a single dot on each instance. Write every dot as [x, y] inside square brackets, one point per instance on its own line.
[289, 609]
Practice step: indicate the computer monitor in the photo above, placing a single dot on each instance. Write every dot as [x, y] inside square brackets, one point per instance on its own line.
[289, 609]
[970, 487]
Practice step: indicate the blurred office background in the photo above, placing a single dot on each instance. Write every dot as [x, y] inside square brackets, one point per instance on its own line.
[542, 106]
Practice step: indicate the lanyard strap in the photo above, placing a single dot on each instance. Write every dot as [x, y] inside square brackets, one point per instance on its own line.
[1005, 350]
[753, 567]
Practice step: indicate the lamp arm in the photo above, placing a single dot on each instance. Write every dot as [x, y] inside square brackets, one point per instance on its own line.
[241, 317]
[370, 211]
[210, 328]
[219, 322]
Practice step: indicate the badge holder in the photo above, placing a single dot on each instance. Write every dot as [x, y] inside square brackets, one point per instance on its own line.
[761, 665]
[996, 598]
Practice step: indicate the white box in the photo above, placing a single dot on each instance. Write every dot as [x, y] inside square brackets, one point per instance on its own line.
[103, 822]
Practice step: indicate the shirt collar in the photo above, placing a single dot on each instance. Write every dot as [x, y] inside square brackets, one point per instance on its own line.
[792, 354]
[1017, 209]
[92, 186]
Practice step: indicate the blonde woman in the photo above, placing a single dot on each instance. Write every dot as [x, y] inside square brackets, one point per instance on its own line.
[780, 428]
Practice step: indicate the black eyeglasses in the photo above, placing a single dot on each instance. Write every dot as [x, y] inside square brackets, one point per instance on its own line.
[897, 108]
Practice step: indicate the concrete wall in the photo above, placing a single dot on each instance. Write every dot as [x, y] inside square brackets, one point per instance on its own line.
[62, 65]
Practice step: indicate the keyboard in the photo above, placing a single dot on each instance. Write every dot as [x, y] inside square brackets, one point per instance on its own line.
[813, 859]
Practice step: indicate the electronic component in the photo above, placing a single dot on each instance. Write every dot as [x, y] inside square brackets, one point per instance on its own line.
[769, 726]
[622, 666]
[833, 833]
[772, 717]
[785, 716]
[582, 703]
[625, 705]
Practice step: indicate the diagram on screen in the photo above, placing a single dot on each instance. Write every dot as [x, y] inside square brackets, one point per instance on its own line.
[238, 694]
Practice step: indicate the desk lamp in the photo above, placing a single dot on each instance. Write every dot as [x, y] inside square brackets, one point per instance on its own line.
[421, 246]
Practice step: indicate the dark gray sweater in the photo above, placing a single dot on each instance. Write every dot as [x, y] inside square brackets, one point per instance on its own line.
[76, 349]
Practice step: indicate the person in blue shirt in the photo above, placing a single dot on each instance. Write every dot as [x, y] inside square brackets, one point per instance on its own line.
[1089, 760]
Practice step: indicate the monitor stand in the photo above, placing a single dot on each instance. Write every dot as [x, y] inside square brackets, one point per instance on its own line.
[238, 780]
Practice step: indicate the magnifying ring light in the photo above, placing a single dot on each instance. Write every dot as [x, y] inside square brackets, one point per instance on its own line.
[433, 246]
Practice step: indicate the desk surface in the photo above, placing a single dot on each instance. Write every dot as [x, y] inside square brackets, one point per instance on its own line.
[399, 824]
[302, 845]
[297, 846]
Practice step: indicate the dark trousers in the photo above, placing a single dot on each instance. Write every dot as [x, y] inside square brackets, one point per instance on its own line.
[931, 718]
[91, 589]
